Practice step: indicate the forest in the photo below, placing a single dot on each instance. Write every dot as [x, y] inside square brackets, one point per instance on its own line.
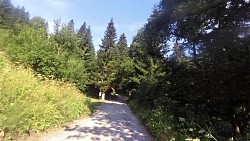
[186, 72]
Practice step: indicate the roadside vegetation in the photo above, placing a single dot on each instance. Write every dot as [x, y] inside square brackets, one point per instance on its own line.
[42, 80]
[193, 62]
[29, 104]
[187, 71]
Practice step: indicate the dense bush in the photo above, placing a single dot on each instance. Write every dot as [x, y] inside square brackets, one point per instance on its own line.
[160, 123]
[32, 48]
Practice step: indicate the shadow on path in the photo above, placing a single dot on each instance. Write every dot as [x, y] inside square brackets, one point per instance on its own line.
[113, 121]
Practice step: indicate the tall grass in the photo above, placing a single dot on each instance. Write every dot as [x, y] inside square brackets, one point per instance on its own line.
[159, 123]
[29, 104]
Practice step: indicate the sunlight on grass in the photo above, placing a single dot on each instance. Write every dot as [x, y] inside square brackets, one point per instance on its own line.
[29, 104]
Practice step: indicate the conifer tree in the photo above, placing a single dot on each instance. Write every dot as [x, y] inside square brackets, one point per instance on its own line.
[87, 51]
[109, 39]
[122, 47]
[57, 26]
[39, 23]
[71, 27]
[210, 84]
[155, 13]
[105, 56]
[178, 52]
[68, 37]
[21, 16]
[7, 14]
[12, 17]
[85, 39]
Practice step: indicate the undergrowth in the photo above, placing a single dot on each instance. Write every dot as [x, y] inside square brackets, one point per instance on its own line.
[29, 104]
[159, 124]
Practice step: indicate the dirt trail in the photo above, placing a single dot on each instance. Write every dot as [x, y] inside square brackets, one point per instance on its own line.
[113, 121]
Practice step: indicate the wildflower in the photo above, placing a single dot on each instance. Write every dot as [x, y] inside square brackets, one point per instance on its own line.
[181, 119]
[172, 139]
[201, 131]
[6, 70]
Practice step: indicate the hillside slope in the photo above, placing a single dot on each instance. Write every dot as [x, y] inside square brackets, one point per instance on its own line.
[32, 104]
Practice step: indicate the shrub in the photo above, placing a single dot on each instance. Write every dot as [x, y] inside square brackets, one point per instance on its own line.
[160, 124]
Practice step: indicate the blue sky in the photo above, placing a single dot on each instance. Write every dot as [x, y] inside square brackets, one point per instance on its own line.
[128, 15]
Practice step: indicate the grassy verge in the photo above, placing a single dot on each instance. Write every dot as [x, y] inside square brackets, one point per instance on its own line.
[159, 123]
[28, 104]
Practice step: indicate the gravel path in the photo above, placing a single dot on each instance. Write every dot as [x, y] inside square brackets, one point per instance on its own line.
[113, 121]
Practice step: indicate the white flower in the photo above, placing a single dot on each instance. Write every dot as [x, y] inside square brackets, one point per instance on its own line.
[190, 139]
[172, 139]
[208, 136]
[6, 70]
[181, 119]
[201, 131]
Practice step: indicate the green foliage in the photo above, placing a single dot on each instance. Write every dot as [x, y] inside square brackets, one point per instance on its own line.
[107, 59]
[122, 48]
[12, 17]
[109, 39]
[57, 57]
[160, 124]
[126, 79]
[199, 91]
[75, 72]
[206, 79]
[29, 104]
[76, 52]
[39, 23]
[87, 53]
[32, 49]
[6, 38]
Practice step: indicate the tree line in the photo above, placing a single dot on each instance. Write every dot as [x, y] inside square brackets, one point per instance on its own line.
[188, 66]
[66, 54]
[204, 77]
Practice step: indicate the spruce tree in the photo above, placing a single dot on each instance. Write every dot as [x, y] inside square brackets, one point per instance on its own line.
[178, 52]
[57, 26]
[7, 14]
[71, 27]
[105, 60]
[109, 39]
[12, 17]
[122, 47]
[85, 38]
[87, 51]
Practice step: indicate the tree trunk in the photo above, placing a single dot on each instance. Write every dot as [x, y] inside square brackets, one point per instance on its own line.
[235, 127]
[194, 53]
[103, 96]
